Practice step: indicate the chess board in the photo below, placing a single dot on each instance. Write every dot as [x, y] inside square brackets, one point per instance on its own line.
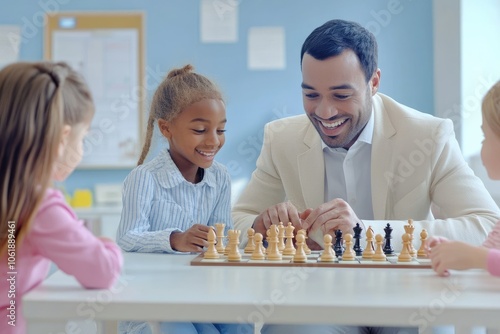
[313, 261]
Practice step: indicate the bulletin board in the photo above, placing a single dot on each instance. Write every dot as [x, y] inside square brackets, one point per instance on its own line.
[108, 50]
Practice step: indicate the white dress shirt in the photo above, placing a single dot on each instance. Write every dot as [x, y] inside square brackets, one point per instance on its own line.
[348, 173]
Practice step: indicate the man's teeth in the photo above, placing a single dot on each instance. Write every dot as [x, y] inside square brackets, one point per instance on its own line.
[207, 154]
[332, 125]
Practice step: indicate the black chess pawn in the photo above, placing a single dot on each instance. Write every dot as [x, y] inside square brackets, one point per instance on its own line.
[357, 237]
[387, 247]
[339, 247]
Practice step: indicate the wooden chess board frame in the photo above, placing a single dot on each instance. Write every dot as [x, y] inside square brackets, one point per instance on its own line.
[312, 261]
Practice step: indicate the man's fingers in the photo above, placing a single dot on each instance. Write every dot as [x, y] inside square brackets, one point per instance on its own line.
[293, 217]
[304, 214]
[283, 215]
[321, 215]
[295, 220]
[311, 218]
[273, 216]
[267, 221]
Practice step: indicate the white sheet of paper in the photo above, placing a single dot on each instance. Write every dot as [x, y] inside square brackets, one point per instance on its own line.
[108, 59]
[266, 48]
[219, 21]
[10, 38]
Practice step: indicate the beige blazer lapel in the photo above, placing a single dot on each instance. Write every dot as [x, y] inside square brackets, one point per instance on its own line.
[382, 155]
[311, 171]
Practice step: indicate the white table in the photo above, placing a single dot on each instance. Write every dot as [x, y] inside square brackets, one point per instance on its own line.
[156, 287]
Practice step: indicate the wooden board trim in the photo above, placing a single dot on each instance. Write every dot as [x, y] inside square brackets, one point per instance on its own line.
[197, 261]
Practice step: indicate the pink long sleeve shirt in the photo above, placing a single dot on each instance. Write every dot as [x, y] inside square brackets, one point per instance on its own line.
[493, 242]
[58, 236]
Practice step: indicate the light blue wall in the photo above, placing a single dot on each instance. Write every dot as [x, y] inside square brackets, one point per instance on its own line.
[405, 38]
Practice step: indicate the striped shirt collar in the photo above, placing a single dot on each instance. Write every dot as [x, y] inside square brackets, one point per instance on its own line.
[170, 176]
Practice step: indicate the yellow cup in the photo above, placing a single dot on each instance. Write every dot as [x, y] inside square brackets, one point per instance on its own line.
[82, 198]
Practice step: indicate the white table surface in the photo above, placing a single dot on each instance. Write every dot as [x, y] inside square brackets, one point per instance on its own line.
[156, 287]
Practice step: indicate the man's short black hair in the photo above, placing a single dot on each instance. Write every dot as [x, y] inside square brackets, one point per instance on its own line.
[335, 36]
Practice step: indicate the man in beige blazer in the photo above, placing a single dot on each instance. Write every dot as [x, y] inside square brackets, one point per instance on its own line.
[416, 165]
[358, 156]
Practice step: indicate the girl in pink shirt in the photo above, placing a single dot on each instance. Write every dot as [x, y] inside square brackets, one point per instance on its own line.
[446, 254]
[45, 112]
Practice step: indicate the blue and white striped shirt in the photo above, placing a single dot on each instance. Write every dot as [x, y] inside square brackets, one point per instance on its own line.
[158, 200]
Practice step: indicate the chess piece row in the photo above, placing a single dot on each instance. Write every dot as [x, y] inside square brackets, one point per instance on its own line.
[280, 243]
[277, 247]
[378, 251]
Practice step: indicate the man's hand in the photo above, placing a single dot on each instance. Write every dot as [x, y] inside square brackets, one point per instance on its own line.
[192, 240]
[329, 217]
[283, 212]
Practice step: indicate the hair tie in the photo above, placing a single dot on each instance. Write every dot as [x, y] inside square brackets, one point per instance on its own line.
[57, 72]
[180, 71]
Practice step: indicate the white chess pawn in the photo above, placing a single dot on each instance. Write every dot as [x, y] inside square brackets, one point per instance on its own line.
[368, 252]
[422, 252]
[250, 244]
[349, 254]
[379, 251]
[257, 252]
[405, 255]
[300, 255]
[328, 254]
[211, 252]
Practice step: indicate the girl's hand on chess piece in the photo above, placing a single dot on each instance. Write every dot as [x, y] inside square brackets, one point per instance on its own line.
[434, 241]
[192, 240]
[446, 255]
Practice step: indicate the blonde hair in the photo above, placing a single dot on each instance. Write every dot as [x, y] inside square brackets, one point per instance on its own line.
[491, 108]
[36, 101]
[181, 88]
